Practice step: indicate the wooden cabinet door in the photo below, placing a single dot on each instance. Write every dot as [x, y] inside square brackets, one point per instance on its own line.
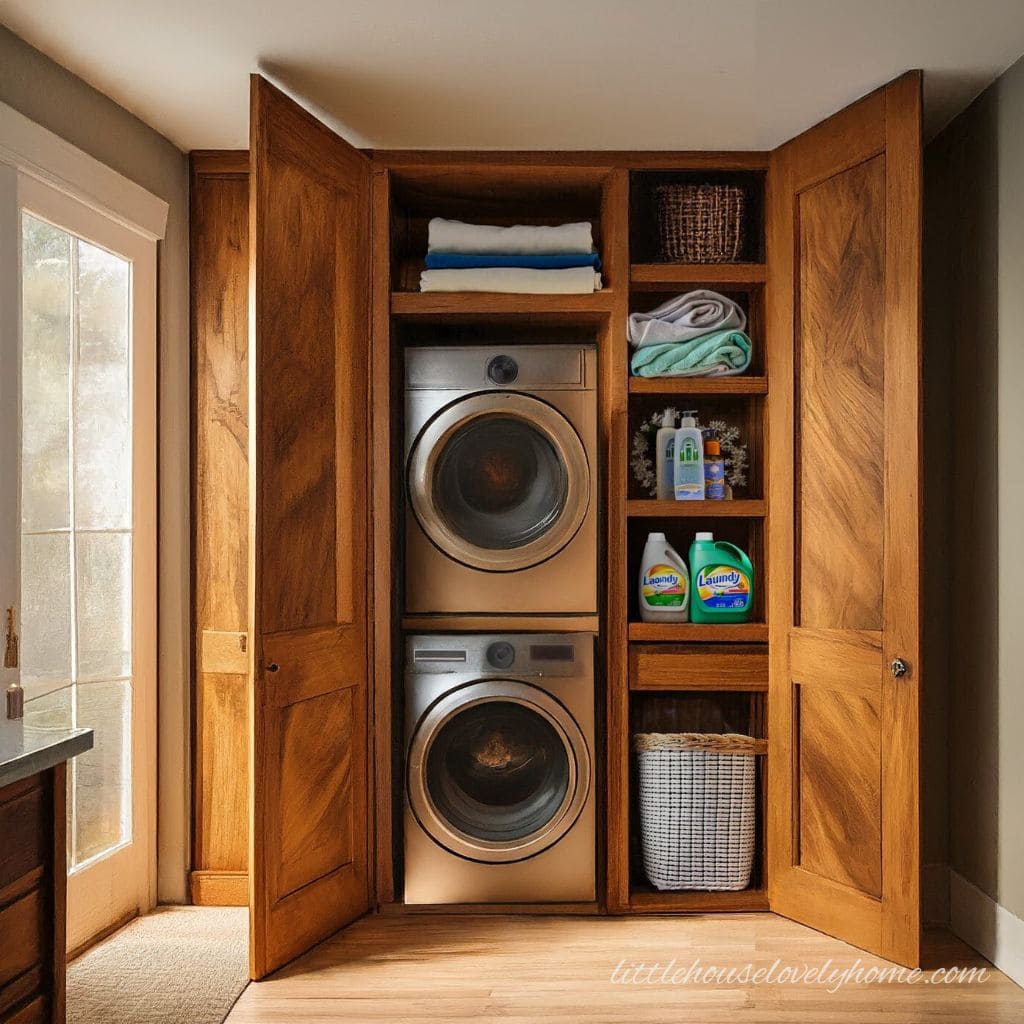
[845, 524]
[309, 437]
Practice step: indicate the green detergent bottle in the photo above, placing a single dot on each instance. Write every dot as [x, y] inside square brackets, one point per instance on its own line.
[722, 579]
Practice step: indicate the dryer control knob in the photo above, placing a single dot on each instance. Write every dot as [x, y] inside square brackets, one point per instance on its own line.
[501, 654]
[502, 370]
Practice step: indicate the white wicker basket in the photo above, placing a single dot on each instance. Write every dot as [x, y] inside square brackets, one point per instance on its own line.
[698, 808]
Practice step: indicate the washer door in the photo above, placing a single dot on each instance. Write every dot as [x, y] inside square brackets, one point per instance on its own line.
[498, 771]
[499, 481]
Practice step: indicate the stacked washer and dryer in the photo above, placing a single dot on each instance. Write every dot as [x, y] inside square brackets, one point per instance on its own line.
[501, 521]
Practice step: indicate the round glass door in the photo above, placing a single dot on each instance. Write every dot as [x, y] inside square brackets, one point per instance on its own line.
[498, 771]
[499, 481]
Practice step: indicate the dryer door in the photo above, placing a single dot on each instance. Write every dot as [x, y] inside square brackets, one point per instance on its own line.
[499, 481]
[498, 771]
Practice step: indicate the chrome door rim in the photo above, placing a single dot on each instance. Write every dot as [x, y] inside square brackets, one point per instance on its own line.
[494, 691]
[560, 434]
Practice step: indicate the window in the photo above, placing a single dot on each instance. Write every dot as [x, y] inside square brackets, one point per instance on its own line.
[78, 495]
[76, 511]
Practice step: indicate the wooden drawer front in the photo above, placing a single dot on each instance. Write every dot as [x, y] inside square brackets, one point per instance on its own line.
[739, 667]
[22, 925]
[25, 831]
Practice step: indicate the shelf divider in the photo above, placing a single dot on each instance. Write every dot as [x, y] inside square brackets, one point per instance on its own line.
[688, 901]
[738, 508]
[455, 304]
[698, 385]
[695, 632]
[656, 276]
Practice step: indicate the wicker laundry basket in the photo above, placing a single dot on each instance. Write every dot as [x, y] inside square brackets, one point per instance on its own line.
[700, 223]
[698, 817]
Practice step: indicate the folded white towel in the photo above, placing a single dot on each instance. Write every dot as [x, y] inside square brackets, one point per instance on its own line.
[569, 281]
[522, 239]
[685, 317]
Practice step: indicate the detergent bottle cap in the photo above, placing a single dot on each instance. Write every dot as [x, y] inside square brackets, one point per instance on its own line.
[689, 418]
[668, 418]
[704, 535]
[655, 537]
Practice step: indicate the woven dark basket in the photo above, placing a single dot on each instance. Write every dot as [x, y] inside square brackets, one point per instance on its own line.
[700, 223]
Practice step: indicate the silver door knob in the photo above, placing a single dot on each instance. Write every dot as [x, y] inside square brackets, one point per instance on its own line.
[898, 668]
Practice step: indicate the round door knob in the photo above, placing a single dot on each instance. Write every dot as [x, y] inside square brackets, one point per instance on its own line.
[898, 668]
[502, 370]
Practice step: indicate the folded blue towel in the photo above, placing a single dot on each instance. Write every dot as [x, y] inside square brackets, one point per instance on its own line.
[536, 261]
[718, 354]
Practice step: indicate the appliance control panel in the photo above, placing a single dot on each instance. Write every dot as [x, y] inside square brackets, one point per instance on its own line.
[567, 654]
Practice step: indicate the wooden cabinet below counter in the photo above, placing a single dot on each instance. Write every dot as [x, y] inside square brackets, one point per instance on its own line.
[32, 893]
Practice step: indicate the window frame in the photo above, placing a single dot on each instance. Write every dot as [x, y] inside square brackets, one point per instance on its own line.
[52, 180]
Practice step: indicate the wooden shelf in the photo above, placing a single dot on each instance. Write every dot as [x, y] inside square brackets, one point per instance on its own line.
[698, 385]
[650, 901]
[457, 304]
[693, 632]
[656, 276]
[500, 623]
[740, 508]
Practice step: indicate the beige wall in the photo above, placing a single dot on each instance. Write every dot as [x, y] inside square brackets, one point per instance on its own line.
[974, 193]
[53, 97]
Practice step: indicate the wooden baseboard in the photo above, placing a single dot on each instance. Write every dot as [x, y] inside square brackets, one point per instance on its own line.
[220, 888]
[398, 909]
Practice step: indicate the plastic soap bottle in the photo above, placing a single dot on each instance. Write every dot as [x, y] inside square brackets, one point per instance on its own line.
[664, 582]
[665, 447]
[714, 470]
[689, 459]
[723, 581]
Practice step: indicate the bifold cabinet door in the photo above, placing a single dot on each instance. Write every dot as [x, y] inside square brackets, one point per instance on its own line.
[309, 230]
[845, 681]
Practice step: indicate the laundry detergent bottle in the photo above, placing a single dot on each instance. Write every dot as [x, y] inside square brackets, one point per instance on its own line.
[665, 449]
[723, 581]
[664, 582]
[689, 459]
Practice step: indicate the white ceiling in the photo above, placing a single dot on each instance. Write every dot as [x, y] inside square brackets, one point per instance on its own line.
[524, 74]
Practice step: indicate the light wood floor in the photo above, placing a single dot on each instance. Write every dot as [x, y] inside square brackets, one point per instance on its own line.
[525, 970]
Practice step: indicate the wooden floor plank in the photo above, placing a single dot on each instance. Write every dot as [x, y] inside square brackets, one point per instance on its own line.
[525, 970]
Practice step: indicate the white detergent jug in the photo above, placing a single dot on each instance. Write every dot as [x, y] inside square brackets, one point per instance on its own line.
[664, 582]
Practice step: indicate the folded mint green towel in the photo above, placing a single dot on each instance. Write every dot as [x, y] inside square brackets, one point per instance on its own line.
[719, 354]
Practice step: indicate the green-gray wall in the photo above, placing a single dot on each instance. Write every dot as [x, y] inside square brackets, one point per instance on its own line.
[974, 337]
[60, 101]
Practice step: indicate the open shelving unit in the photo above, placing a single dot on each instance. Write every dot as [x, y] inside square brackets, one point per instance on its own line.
[682, 677]
[675, 677]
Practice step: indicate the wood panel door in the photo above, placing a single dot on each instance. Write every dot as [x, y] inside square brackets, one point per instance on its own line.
[844, 370]
[309, 437]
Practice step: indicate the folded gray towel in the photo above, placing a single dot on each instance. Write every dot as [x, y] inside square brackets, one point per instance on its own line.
[686, 317]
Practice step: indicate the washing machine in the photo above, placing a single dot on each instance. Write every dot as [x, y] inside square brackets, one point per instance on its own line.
[499, 769]
[501, 479]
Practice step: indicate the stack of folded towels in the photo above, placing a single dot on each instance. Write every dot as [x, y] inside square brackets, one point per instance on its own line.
[699, 334]
[526, 258]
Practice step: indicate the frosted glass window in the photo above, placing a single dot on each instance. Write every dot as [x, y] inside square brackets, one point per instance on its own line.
[76, 617]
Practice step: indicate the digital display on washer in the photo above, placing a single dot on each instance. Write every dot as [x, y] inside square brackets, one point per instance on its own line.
[552, 652]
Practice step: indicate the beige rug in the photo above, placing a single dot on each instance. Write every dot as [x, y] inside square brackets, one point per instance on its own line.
[178, 965]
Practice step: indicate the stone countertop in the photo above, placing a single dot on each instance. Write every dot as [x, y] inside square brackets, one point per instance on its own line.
[29, 749]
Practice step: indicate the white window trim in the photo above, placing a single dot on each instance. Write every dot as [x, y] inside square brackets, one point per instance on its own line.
[32, 156]
[39, 153]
